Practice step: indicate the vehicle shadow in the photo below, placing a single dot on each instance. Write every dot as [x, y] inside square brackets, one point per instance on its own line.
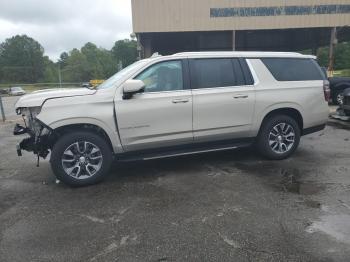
[287, 176]
[181, 164]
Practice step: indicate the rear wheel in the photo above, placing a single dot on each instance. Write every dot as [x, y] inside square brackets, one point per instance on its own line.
[81, 159]
[279, 137]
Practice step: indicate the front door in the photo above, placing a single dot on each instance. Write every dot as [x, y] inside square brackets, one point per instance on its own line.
[162, 115]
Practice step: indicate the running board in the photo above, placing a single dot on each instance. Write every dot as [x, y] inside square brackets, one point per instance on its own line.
[177, 151]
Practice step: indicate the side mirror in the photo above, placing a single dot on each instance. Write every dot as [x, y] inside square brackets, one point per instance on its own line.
[132, 87]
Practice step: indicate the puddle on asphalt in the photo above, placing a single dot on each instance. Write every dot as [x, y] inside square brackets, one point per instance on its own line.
[285, 179]
[336, 226]
[291, 182]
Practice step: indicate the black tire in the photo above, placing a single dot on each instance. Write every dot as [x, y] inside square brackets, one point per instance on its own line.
[335, 96]
[263, 138]
[66, 142]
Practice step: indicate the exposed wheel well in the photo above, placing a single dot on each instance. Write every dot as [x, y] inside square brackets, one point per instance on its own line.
[58, 132]
[291, 112]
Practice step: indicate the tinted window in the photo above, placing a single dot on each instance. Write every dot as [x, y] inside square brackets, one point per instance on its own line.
[208, 73]
[293, 69]
[239, 76]
[165, 76]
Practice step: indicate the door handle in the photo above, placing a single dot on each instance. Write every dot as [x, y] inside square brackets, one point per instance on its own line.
[240, 96]
[181, 100]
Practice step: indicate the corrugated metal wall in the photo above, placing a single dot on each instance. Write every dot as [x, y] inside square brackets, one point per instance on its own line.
[195, 15]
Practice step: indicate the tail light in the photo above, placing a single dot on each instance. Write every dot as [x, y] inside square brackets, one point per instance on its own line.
[327, 91]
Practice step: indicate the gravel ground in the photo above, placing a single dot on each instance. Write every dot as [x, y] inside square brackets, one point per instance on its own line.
[227, 206]
[8, 103]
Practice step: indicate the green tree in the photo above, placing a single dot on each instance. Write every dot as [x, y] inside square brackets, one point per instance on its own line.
[341, 56]
[76, 69]
[125, 51]
[108, 63]
[50, 74]
[21, 60]
[63, 59]
[94, 63]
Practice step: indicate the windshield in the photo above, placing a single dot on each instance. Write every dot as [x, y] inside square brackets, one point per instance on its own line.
[16, 89]
[118, 76]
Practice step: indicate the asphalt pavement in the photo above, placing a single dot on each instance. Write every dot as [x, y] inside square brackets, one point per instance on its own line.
[226, 206]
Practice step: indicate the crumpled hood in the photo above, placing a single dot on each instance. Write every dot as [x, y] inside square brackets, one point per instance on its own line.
[37, 98]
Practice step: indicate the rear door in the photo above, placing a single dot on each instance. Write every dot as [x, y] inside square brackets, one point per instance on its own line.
[223, 98]
[162, 115]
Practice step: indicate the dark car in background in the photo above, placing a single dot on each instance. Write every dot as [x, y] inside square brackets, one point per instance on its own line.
[337, 86]
[346, 101]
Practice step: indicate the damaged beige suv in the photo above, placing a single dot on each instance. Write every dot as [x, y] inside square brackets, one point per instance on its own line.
[175, 105]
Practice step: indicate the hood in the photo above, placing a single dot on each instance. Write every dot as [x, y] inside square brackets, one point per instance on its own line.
[37, 98]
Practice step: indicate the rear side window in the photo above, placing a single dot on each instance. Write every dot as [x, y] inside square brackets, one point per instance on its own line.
[209, 73]
[293, 69]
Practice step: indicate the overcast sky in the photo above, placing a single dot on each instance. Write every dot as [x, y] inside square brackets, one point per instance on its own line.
[61, 25]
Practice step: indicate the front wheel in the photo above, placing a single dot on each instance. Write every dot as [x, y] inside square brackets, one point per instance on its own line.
[81, 159]
[279, 137]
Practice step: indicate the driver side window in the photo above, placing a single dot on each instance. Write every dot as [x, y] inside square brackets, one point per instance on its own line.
[164, 76]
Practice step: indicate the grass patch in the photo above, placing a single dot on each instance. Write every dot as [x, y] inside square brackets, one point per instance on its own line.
[345, 72]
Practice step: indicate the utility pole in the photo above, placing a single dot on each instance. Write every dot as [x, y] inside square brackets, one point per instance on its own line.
[234, 40]
[59, 75]
[2, 110]
[334, 41]
[139, 47]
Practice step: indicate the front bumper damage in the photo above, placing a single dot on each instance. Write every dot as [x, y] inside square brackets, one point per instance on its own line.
[37, 142]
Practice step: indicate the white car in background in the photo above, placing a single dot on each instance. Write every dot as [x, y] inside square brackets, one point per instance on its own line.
[181, 104]
[16, 91]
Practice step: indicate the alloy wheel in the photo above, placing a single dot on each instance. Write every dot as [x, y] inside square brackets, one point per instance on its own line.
[282, 138]
[340, 99]
[82, 160]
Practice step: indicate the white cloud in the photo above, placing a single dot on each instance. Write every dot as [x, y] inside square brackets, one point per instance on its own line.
[61, 25]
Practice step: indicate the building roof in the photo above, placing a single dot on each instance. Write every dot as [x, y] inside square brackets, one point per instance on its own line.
[218, 15]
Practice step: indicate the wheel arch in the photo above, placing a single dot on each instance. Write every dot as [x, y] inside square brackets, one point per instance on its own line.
[63, 127]
[62, 130]
[288, 111]
[341, 86]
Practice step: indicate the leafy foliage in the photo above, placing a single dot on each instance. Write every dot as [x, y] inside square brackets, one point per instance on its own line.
[22, 60]
[125, 51]
[341, 56]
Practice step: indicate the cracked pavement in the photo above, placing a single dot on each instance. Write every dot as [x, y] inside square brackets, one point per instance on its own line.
[226, 206]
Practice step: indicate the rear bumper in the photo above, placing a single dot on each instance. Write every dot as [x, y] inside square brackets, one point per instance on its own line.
[313, 129]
